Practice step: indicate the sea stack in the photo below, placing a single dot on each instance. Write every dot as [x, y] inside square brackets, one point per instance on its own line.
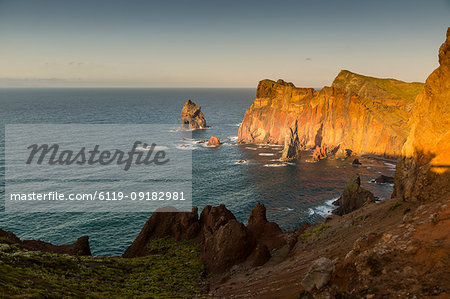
[292, 146]
[192, 117]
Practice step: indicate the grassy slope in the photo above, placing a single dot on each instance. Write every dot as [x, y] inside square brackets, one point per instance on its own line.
[174, 270]
[407, 91]
[404, 90]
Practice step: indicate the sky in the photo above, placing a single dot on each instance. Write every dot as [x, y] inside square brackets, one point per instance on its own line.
[186, 43]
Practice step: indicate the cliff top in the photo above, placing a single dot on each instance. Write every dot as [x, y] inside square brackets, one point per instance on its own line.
[377, 87]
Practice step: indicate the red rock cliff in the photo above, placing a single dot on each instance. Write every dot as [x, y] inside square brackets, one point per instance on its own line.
[364, 114]
[423, 173]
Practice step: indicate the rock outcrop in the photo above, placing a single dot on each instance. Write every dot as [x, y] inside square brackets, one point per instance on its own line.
[292, 145]
[192, 117]
[354, 197]
[268, 233]
[320, 152]
[223, 241]
[318, 275]
[177, 225]
[79, 248]
[423, 173]
[364, 114]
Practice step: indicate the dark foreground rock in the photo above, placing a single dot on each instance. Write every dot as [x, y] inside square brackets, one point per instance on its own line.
[354, 197]
[192, 117]
[268, 233]
[223, 241]
[180, 226]
[79, 248]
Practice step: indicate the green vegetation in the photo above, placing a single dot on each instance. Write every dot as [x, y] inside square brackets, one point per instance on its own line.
[173, 270]
[408, 91]
[316, 230]
[6, 240]
[404, 90]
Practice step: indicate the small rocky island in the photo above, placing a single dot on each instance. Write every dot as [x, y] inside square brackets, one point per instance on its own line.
[192, 117]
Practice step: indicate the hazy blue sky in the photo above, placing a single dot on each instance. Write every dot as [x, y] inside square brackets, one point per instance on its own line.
[216, 43]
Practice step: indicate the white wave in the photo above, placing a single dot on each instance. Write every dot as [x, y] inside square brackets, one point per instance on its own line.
[157, 148]
[266, 154]
[325, 209]
[235, 125]
[276, 165]
[251, 148]
[190, 141]
[310, 211]
[390, 165]
[186, 147]
[311, 161]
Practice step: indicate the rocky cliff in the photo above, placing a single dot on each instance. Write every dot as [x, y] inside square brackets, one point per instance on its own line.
[364, 114]
[424, 171]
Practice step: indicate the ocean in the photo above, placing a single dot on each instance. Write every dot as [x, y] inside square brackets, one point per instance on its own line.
[292, 193]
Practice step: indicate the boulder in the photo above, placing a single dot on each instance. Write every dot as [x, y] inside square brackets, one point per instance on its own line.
[318, 275]
[265, 232]
[292, 146]
[383, 179]
[79, 248]
[213, 141]
[354, 197]
[192, 117]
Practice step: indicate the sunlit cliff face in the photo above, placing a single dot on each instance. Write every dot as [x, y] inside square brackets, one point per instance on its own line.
[429, 138]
